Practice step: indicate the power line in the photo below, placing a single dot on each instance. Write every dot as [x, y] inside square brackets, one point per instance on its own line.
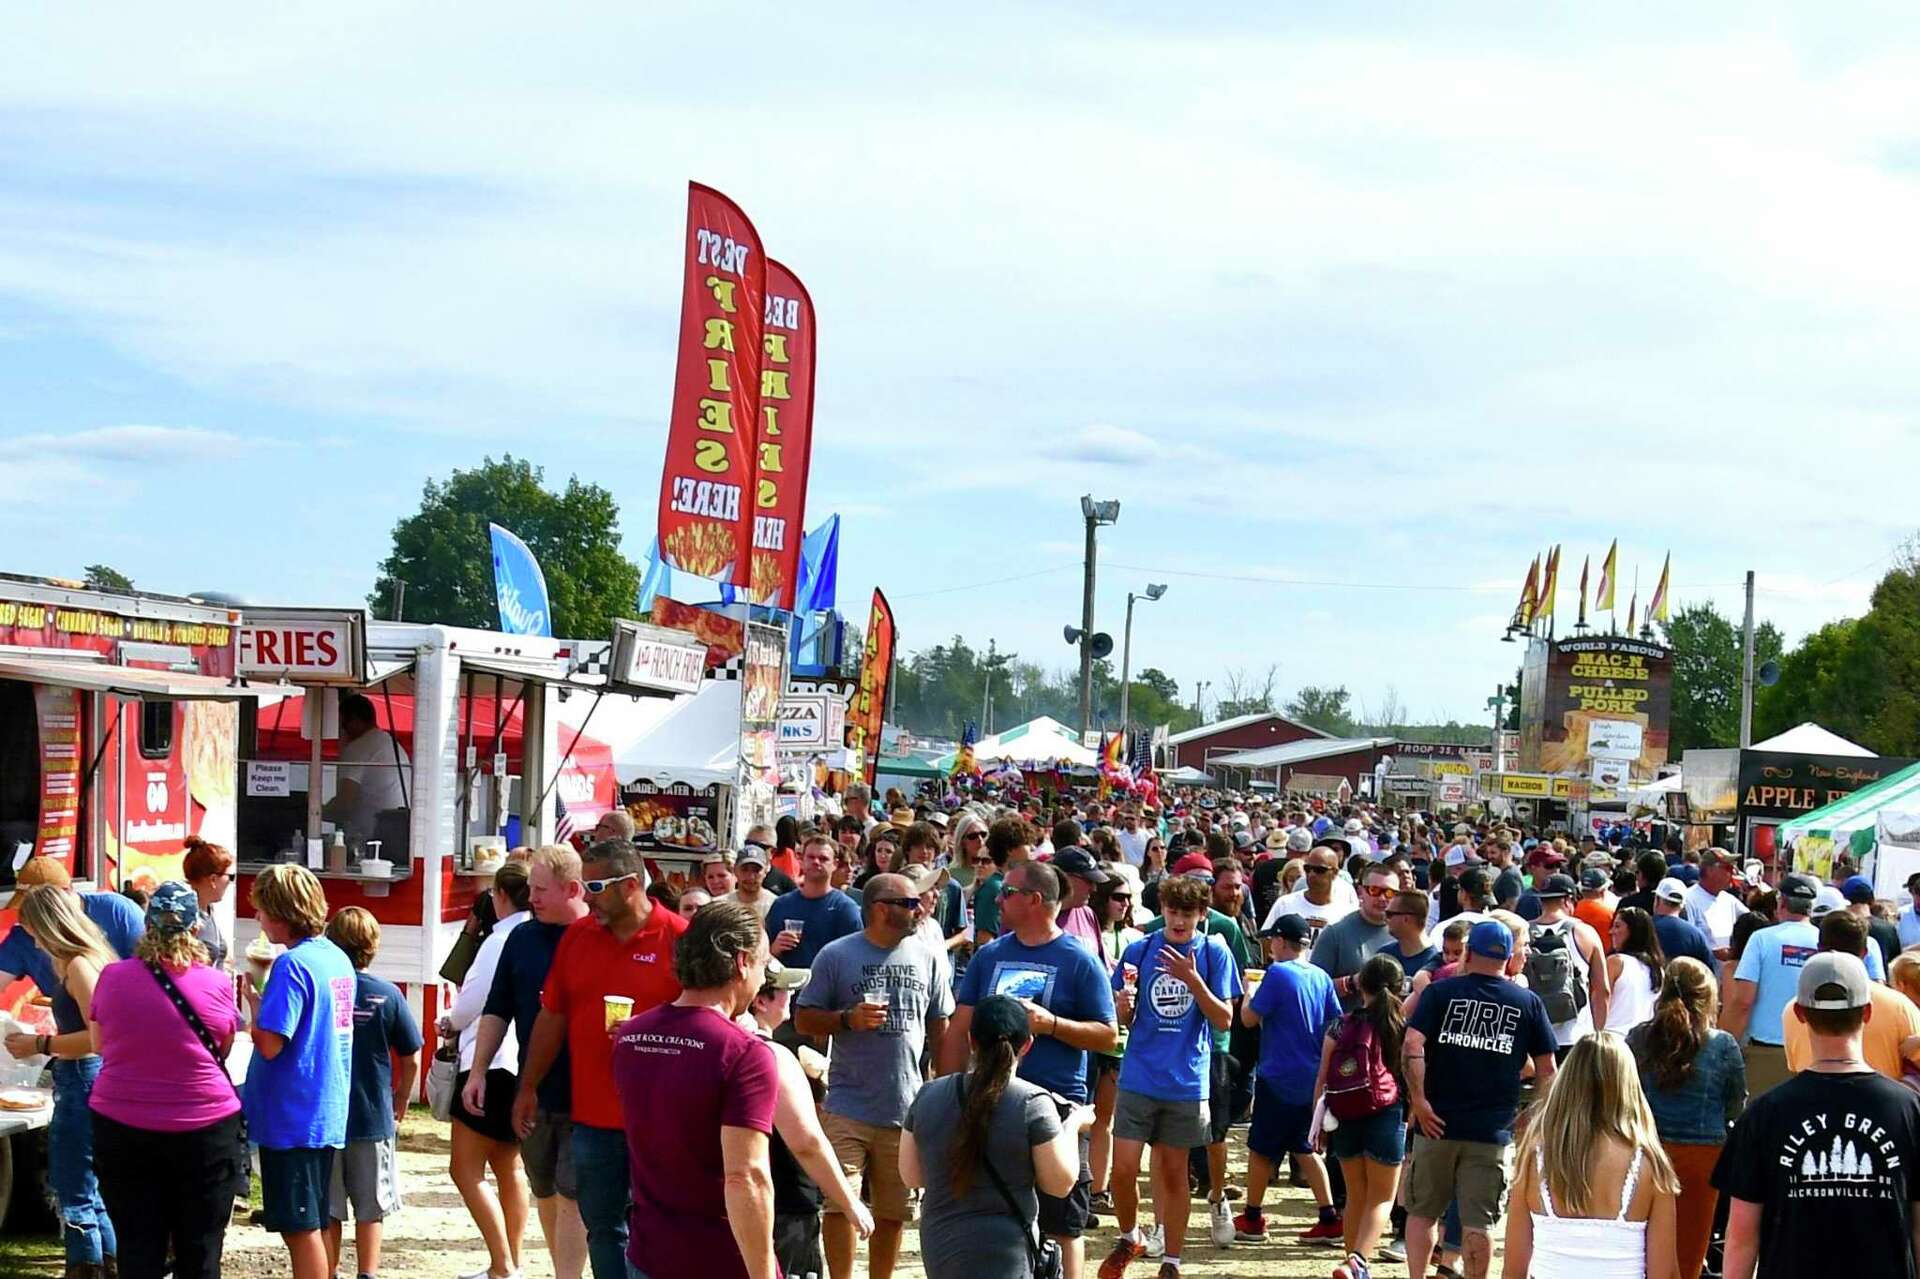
[1483, 588]
[998, 581]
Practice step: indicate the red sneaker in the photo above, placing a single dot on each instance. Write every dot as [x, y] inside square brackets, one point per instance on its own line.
[1123, 1255]
[1249, 1229]
[1330, 1233]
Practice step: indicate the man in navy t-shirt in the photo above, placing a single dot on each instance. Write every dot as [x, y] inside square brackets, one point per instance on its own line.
[1069, 1011]
[1678, 935]
[800, 922]
[1468, 1041]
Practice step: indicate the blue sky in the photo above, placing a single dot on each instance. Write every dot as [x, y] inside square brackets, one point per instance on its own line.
[1387, 298]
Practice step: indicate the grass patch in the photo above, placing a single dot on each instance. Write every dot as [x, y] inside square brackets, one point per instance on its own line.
[32, 1255]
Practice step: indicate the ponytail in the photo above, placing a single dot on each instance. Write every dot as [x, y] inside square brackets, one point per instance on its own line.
[1682, 1021]
[1379, 983]
[993, 1064]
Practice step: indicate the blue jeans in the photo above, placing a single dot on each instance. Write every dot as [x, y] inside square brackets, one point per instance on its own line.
[87, 1229]
[600, 1168]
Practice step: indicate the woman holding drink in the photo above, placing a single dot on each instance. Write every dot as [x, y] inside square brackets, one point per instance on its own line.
[482, 1135]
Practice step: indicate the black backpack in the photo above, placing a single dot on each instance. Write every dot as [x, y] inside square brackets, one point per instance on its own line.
[1553, 972]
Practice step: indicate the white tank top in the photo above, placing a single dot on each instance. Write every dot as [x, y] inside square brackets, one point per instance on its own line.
[1589, 1247]
[1633, 996]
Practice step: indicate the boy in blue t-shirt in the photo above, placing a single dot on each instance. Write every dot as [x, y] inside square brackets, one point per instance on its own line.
[1293, 1005]
[366, 1173]
[1175, 988]
[296, 1089]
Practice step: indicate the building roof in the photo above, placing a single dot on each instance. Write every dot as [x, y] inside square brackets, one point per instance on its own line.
[1289, 753]
[1238, 721]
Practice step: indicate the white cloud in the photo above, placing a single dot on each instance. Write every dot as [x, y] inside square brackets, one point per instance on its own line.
[126, 445]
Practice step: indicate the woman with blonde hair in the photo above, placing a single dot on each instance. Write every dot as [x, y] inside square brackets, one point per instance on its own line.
[1594, 1192]
[163, 1023]
[52, 916]
[1695, 1082]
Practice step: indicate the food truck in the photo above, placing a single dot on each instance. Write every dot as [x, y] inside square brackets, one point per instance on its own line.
[119, 715]
[407, 758]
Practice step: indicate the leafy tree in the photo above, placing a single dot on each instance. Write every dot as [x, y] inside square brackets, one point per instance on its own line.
[443, 554]
[101, 577]
[1810, 685]
[1860, 679]
[1160, 682]
[1323, 708]
[1706, 675]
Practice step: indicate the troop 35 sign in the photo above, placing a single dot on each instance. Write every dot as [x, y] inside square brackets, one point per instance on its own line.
[706, 517]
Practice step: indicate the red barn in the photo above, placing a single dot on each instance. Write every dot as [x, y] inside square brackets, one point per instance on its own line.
[1195, 747]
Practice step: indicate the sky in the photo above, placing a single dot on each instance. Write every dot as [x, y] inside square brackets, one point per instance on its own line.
[1354, 309]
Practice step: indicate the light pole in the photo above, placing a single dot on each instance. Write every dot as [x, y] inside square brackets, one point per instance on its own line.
[1153, 592]
[1095, 514]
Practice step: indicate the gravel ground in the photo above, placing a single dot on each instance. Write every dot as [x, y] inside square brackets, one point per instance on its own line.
[432, 1235]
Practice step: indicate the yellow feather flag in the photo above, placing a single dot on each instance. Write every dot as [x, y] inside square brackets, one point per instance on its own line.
[1657, 606]
[1609, 575]
[1550, 585]
[1529, 595]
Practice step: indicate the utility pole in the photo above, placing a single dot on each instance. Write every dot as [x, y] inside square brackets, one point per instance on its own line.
[1746, 670]
[1095, 514]
[1153, 592]
[1200, 698]
[986, 701]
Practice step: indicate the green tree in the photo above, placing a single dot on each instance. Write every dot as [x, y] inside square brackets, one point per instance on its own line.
[443, 554]
[1160, 682]
[101, 577]
[1706, 675]
[1323, 708]
[1866, 680]
[1810, 685]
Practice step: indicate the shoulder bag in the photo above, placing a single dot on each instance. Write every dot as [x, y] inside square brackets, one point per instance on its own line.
[1043, 1253]
[242, 1160]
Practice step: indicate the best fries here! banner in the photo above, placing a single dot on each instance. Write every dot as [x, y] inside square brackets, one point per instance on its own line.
[706, 520]
[785, 441]
[870, 699]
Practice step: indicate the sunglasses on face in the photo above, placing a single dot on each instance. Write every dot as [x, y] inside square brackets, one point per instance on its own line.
[1319, 870]
[596, 886]
[1377, 890]
[904, 903]
[975, 834]
[1008, 890]
[983, 861]
[1124, 898]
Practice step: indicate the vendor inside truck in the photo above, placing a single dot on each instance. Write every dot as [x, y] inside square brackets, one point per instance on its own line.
[369, 777]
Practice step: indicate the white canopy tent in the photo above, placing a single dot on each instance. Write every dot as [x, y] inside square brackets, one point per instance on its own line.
[1187, 776]
[1810, 739]
[693, 739]
[1043, 741]
[1652, 798]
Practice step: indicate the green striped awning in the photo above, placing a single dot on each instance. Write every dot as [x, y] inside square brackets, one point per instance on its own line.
[1859, 810]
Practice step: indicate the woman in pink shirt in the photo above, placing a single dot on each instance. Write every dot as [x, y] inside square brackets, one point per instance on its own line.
[169, 1147]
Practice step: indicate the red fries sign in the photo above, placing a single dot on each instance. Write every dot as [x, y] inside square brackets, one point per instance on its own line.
[785, 440]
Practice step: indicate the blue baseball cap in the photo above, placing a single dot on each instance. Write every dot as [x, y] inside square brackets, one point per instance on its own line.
[1490, 939]
[173, 908]
[1687, 873]
[1857, 889]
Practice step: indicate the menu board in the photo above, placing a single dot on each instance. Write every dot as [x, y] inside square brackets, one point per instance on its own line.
[58, 712]
[675, 818]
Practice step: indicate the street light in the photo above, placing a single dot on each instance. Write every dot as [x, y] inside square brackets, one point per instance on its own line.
[1153, 592]
[1095, 514]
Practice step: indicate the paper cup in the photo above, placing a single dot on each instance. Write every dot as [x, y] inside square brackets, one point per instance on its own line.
[619, 1008]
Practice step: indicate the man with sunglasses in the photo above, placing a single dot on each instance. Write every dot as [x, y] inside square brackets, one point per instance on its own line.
[1070, 1012]
[1321, 900]
[622, 948]
[879, 994]
[1346, 944]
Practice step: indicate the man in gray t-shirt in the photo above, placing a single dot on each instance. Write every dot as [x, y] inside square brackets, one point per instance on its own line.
[1346, 944]
[880, 994]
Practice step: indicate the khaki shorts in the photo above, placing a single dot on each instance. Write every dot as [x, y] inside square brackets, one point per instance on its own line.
[1472, 1172]
[875, 1151]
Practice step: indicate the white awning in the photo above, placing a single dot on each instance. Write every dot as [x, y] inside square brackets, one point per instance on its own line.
[135, 682]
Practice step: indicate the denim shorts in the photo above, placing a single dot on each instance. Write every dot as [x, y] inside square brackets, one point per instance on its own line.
[1279, 1127]
[1381, 1138]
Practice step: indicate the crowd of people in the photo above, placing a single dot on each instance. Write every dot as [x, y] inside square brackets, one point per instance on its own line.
[989, 1016]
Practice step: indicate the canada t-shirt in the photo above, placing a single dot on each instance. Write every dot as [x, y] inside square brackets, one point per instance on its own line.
[681, 1075]
[591, 964]
[154, 1071]
[1480, 1032]
[1828, 1158]
[1295, 1002]
[1171, 1041]
[1061, 977]
[297, 1100]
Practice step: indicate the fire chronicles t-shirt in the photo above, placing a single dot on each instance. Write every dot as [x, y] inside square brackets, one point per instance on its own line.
[1829, 1158]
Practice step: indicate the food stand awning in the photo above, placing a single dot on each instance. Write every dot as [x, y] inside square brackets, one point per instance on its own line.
[1861, 810]
[132, 681]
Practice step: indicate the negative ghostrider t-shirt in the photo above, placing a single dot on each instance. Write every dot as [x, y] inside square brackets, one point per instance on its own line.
[1830, 1160]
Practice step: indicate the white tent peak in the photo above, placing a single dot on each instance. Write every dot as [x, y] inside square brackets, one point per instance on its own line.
[1811, 739]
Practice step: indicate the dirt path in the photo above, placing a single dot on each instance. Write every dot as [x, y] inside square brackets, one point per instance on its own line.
[433, 1238]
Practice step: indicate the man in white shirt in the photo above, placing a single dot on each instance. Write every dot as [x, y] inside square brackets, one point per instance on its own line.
[1319, 903]
[368, 777]
[1132, 839]
[1709, 907]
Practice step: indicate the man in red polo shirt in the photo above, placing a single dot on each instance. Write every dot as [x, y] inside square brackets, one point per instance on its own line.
[622, 951]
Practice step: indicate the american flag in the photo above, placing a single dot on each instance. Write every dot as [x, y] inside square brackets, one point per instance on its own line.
[1140, 757]
[562, 822]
